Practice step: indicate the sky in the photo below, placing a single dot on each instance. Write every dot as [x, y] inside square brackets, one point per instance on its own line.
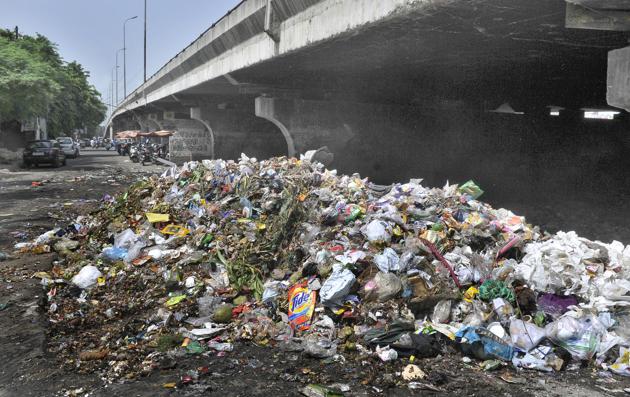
[91, 31]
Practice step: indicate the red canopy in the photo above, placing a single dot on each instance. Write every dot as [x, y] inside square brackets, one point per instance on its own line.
[157, 134]
[127, 134]
[136, 134]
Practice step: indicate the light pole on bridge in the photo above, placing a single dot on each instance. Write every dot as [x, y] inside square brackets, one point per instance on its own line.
[125, 54]
[117, 52]
[145, 41]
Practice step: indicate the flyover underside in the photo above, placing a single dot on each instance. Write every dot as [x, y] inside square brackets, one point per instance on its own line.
[509, 48]
[409, 97]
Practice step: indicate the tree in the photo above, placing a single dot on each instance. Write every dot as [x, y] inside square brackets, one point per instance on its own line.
[27, 85]
[35, 81]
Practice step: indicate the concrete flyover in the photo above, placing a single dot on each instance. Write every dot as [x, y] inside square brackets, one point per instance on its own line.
[403, 88]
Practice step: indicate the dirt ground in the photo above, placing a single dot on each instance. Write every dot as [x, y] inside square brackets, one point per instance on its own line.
[29, 369]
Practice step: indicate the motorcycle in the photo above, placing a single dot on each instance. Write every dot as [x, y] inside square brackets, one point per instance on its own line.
[123, 149]
[134, 153]
[146, 154]
[159, 152]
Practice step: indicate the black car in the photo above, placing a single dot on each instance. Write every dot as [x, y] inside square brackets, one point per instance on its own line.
[44, 151]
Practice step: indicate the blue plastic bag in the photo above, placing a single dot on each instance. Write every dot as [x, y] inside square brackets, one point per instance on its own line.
[114, 253]
[483, 344]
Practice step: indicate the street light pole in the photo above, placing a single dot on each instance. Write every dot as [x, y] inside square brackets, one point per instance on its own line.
[145, 41]
[125, 54]
[117, 52]
[111, 97]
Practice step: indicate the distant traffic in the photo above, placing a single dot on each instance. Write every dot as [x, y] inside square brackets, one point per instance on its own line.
[56, 152]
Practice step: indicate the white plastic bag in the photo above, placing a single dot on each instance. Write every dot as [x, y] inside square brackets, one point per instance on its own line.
[134, 251]
[525, 336]
[383, 287]
[579, 335]
[388, 261]
[622, 365]
[87, 277]
[441, 312]
[337, 286]
[377, 232]
[125, 238]
[386, 353]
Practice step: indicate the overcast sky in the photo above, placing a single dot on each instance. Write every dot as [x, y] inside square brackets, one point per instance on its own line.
[90, 31]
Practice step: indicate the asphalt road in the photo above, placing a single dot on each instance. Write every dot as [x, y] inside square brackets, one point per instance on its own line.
[26, 211]
[94, 173]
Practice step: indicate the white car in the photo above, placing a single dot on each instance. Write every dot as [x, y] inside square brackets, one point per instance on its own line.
[69, 146]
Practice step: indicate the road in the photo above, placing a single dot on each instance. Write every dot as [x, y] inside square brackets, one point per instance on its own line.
[25, 212]
[95, 173]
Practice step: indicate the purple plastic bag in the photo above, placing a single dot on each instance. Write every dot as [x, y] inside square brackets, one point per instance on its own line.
[555, 305]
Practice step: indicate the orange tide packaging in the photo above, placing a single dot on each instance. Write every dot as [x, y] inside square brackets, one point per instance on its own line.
[301, 306]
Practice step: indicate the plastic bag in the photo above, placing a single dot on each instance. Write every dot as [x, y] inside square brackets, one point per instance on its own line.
[540, 358]
[272, 290]
[622, 365]
[207, 304]
[350, 257]
[580, 336]
[481, 343]
[503, 309]
[471, 189]
[134, 251]
[555, 305]
[337, 286]
[386, 353]
[87, 277]
[319, 348]
[377, 232]
[388, 261]
[125, 239]
[45, 238]
[441, 312]
[114, 253]
[382, 287]
[524, 335]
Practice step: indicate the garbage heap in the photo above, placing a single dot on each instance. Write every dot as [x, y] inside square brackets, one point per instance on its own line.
[290, 255]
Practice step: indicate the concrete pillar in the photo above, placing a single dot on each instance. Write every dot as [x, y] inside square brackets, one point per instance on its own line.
[125, 124]
[308, 124]
[618, 93]
[190, 142]
[236, 129]
[195, 114]
[153, 124]
[143, 122]
[266, 109]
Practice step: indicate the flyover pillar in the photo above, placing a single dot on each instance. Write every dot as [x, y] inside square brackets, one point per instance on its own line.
[192, 140]
[235, 130]
[310, 124]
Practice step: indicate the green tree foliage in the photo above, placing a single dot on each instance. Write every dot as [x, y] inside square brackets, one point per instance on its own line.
[35, 81]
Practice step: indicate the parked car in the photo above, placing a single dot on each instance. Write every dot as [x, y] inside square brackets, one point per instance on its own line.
[84, 143]
[43, 151]
[69, 147]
